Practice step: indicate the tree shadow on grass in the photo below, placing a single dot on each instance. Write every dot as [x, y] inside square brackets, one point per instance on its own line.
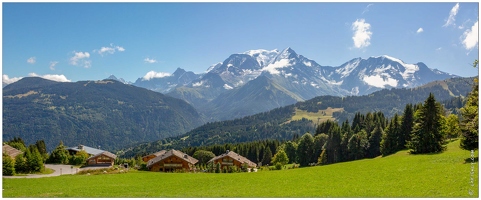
[471, 160]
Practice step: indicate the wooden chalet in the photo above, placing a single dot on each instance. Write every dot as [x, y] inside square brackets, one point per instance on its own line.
[170, 161]
[12, 152]
[150, 156]
[97, 156]
[230, 158]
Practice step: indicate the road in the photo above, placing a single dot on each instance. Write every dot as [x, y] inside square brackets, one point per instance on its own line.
[58, 170]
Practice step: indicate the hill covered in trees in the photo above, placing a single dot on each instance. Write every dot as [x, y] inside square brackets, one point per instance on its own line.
[278, 124]
[104, 113]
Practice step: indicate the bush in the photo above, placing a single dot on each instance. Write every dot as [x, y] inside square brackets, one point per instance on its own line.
[8, 166]
[278, 166]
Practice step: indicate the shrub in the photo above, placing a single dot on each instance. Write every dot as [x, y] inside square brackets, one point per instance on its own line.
[8, 166]
[278, 166]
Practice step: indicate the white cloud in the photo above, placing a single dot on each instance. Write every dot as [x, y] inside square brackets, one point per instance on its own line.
[439, 49]
[470, 37]
[452, 15]
[81, 58]
[362, 33]
[52, 65]
[153, 74]
[420, 30]
[367, 8]
[52, 77]
[31, 60]
[7, 80]
[110, 50]
[148, 60]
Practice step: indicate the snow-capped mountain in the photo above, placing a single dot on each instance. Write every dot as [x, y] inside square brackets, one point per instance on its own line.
[166, 82]
[292, 74]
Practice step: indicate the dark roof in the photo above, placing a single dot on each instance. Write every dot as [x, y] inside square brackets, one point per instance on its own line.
[235, 156]
[9, 150]
[105, 153]
[169, 153]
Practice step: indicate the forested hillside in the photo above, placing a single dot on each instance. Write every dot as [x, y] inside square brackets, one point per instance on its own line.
[278, 123]
[105, 113]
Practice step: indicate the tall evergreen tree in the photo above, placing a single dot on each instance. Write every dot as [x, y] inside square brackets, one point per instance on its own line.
[333, 146]
[374, 142]
[389, 141]
[426, 136]
[291, 150]
[470, 123]
[406, 126]
[319, 142]
[267, 156]
[357, 145]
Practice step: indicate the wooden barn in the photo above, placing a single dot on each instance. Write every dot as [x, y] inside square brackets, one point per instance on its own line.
[231, 158]
[170, 161]
[97, 156]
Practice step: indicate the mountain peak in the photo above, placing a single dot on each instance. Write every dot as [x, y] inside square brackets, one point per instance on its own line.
[179, 71]
[390, 58]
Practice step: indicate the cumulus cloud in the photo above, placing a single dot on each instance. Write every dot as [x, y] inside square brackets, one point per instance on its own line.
[32, 60]
[6, 80]
[470, 37]
[148, 60]
[452, 15]
[52, 77]
[80, 58]
[420, 30]
[362, 33]
[153, 74]
[52, 65]
[110, 49]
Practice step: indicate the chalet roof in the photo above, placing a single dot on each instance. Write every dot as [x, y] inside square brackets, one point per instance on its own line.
[170, 153]
[158, 153]
[89, 150]
[105, 153]
[9, 150]
[235, 156]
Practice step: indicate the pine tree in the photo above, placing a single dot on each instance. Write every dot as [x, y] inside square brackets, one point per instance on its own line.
[406, 127]
[470, 123]
[333, 146]
[389, 141]
[291, 150]
[426, 136]
[374, 142]
[267, 156]
[357, 145]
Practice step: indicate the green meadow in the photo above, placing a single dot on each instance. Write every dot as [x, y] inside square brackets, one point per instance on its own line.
[319, 116]
[446, 174]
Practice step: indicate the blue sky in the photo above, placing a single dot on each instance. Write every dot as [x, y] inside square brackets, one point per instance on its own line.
[91, 41]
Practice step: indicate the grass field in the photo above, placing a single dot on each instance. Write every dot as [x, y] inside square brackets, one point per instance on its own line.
[399, 175]
[319, 116]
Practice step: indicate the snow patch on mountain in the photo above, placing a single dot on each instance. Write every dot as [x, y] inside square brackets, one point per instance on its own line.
[272, 68]
[410, 70]
[263, 57]
[380, 81]
[228, 87]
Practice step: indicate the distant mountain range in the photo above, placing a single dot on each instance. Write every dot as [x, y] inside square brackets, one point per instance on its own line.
[106, 113]
[259, 80]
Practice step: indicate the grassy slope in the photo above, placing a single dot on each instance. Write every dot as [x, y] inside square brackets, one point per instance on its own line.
[398, 175]
[317, 115]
